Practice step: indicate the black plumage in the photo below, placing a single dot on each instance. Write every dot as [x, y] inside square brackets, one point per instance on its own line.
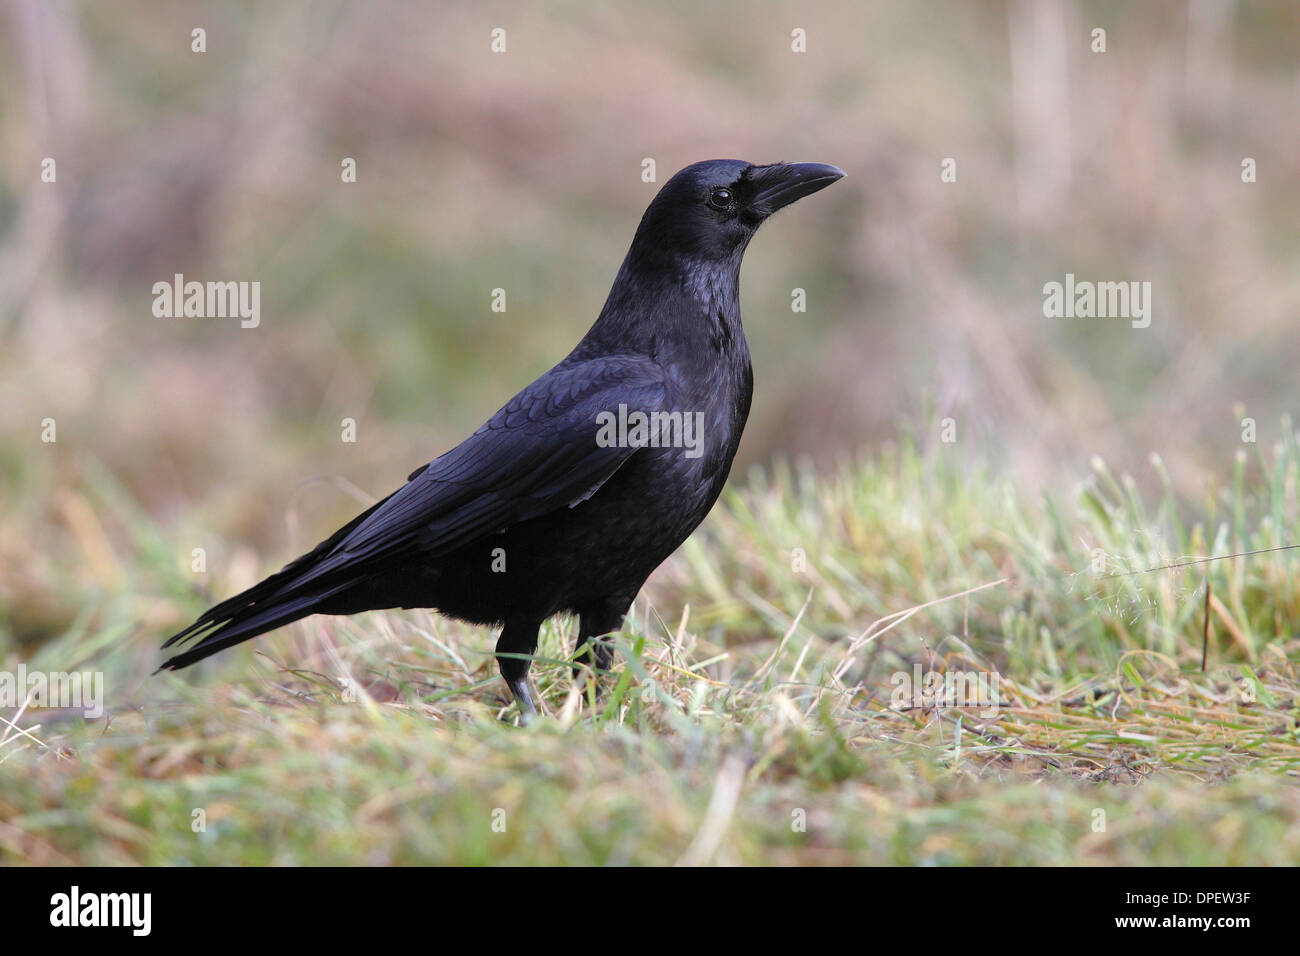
[579, 523]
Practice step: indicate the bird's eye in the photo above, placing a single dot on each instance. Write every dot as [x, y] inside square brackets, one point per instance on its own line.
[720, 198]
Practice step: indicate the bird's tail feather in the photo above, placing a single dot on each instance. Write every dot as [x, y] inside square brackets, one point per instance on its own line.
[280, 599]
[242, 618]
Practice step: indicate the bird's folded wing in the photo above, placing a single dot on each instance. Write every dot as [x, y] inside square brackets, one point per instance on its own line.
[537, 454]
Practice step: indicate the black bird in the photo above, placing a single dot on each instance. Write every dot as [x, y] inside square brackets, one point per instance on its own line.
[567, 499]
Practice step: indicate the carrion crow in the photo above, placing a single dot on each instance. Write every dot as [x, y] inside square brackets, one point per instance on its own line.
[573, 493]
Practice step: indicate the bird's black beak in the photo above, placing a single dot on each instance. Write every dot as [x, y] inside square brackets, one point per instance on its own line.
[783, 183]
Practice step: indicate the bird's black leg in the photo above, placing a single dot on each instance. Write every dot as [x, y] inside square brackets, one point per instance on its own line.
[518, 638]
[594, 622]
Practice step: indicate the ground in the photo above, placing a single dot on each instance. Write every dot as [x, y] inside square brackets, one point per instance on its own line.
[761, 709]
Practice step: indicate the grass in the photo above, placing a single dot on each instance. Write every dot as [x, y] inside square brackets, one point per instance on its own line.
[751, 716]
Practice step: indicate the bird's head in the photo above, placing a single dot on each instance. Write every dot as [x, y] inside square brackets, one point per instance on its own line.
[709, 211]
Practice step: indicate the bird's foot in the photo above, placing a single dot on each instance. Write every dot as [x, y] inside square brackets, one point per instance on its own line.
[524, 698]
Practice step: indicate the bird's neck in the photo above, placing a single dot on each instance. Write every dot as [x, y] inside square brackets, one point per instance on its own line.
[671, 306]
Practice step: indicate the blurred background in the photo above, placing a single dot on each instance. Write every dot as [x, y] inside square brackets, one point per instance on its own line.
[522, 170]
